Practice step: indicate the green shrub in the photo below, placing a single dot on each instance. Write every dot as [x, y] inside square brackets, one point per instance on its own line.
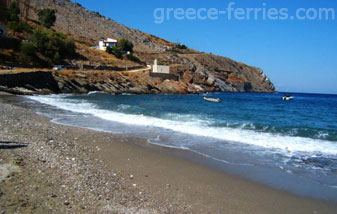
[98, 14]
[70, 48]
[28, 51]
[28, 48]
[115, 51]
[181, 46]
[47, 17]
[14, 22]
[57, 58]
[133, 58]
[13, 12]
[19, 27]
[53, 45]
[40, 41]
[125, 45]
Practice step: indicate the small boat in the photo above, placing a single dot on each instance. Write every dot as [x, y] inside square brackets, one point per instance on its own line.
[287, 98]
[217, 100]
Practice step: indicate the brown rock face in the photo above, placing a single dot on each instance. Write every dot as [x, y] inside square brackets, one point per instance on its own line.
[198, 72]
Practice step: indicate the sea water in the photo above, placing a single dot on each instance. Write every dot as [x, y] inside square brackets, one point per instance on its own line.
[291, 145]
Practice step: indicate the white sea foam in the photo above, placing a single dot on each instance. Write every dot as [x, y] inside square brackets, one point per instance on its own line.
[288, 144]
[97, 92]
[123, 107]
[322, 134]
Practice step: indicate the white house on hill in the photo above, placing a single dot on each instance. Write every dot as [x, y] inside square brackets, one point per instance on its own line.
[103, 44]
[160, 68]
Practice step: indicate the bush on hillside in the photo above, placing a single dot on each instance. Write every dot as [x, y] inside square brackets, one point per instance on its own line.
[159, 62]
[28, 51]
[181, 46]
[13, 12]
[49, 43]
[115, 51]
[14, 22]
[47, 17]
[27, 48]
[18, 27]
[54, 46]
[133, 58]
[125, 45]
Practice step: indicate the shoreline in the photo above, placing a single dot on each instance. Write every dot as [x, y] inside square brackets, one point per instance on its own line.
[170, 183]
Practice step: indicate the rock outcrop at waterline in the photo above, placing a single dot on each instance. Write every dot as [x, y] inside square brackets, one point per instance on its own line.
[51, 82]
[54, 82]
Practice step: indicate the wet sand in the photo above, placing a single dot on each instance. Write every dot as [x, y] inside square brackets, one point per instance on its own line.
[56, 168]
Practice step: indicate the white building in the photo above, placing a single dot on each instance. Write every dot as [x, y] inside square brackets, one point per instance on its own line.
[160, 68]
[103, 44]
[2, 31]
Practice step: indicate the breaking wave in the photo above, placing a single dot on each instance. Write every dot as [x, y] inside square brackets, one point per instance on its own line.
[192, 125]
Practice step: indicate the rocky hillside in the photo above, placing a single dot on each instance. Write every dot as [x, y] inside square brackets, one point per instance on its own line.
[198, 72]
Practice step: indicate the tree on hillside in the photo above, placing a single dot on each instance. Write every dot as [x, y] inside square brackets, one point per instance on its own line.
[13, 12]
[13, 19]
[54, 47]
[125, 45]
[47, 17]
[28, 51]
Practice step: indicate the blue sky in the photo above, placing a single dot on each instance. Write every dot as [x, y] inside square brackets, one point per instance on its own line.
[297, 55]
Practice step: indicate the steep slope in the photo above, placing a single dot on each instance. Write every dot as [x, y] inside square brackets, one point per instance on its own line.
[198, 72]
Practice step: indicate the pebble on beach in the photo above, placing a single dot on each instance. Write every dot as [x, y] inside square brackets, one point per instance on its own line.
[59, 174]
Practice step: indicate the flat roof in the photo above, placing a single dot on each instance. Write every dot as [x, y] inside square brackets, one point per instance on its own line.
[109, 40]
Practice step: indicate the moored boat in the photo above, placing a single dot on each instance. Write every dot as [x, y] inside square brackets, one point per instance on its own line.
[287, 98]
[214, 100]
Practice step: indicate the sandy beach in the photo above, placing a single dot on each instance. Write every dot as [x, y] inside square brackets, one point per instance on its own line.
[46, 167]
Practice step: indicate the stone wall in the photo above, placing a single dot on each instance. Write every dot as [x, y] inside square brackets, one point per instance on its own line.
[164, 76]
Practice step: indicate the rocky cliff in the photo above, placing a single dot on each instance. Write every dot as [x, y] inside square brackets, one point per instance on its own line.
[198, 72]
[47, 82]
